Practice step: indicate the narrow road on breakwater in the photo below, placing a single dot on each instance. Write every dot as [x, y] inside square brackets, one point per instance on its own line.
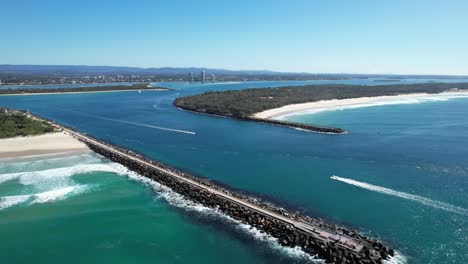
[311, 230]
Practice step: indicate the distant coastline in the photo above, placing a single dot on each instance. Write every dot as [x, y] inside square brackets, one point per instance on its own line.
[388, 80]
[264, 105]
[75, 90]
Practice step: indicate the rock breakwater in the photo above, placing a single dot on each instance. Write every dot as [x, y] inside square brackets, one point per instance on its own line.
[295, 125]
[333, 243]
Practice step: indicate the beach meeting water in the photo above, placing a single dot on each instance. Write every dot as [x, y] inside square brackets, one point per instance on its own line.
[247, 131]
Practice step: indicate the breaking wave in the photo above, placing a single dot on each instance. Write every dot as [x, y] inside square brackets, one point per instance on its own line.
[44, 197]
[39, 163]
[35, 177]
[8, 201]
[397, 259]
[403, 195]
[50, 184]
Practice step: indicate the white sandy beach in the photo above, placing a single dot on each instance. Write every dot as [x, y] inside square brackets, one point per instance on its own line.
[49, 144]
[354, 102]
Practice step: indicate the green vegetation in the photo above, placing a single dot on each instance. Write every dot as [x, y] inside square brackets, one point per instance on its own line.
[244, 103]
[13, 124]
[140, 86]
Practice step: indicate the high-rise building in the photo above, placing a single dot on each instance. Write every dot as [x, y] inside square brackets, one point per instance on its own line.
[213, 78]
[203, 77]
[190, 77]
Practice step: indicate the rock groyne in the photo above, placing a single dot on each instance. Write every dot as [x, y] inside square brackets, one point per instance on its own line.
[294, 125]
[319, 129]
[333, 243]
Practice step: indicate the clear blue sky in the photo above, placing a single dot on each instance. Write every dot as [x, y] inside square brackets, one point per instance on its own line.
[353, 36]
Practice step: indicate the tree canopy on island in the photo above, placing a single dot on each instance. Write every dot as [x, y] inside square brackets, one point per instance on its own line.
[243, 103]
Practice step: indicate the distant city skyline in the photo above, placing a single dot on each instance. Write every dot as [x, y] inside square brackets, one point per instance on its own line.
[362, 36]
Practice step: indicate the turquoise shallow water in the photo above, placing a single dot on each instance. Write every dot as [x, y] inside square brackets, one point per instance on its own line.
[110, 219]
[409, 162]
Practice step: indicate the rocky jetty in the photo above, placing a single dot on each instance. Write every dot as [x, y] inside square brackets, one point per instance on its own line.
[295, 125]
[319, 129]
[372, 251]
[324, 240]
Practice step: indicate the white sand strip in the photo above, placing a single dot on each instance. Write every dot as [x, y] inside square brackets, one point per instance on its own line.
[349, 103]
[53, 143]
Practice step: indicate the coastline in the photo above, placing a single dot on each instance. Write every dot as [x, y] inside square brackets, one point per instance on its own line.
[52, 144]
[324, 105]
[108, 91]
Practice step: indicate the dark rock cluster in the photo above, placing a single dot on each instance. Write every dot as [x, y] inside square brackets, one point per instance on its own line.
[319, 129]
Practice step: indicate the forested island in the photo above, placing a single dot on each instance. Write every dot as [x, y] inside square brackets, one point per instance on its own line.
[110, 88]
[243, 104]
[14, 123]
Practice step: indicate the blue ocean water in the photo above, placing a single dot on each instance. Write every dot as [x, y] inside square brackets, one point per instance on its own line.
[401, 172]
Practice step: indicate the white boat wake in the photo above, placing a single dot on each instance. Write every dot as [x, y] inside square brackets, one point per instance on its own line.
[403, 195]
[137, 124]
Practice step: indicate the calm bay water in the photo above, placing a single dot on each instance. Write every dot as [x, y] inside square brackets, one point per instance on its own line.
[402, 176]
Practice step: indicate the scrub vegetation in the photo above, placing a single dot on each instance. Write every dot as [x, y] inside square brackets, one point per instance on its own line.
[13, 124]
[244, 103]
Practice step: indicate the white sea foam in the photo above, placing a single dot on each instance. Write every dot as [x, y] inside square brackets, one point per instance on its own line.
[178, 200]
[34, 177]
[44, 197]
[57, 194]
[397, 259]
[403, 195]
[51, 184]
[8, 201]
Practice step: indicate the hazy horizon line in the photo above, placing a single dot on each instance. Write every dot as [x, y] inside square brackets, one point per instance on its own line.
[230, 69]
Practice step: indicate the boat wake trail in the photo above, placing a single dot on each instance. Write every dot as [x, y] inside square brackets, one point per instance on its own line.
[136, 123]
[403, 195]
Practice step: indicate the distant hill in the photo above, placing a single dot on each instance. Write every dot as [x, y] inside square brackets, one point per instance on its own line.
[49, 70]
[83, 69]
